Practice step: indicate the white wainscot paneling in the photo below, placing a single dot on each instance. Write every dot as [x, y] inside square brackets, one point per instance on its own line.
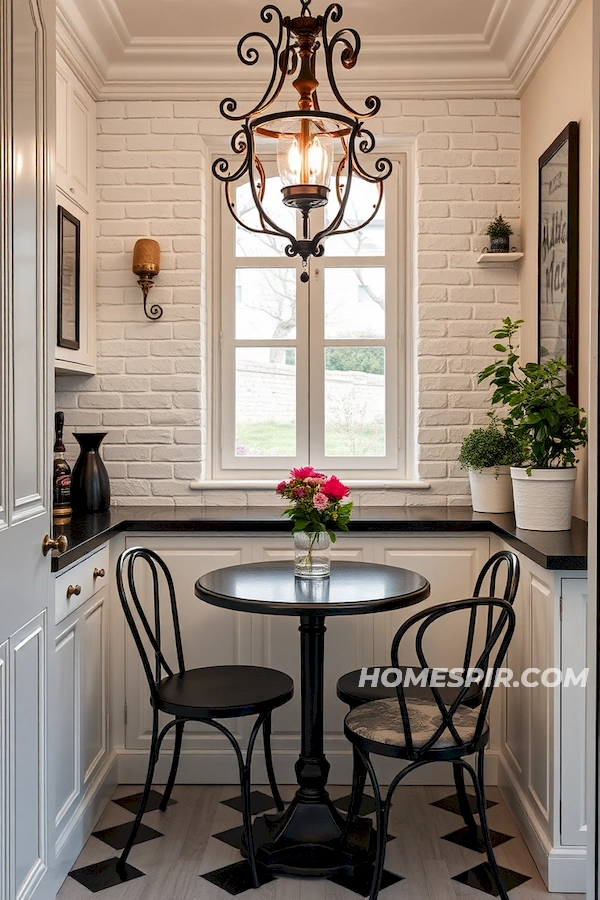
[95, 685]
[573, 827]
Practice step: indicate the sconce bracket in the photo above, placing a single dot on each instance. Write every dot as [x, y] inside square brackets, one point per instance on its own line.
[155, 311]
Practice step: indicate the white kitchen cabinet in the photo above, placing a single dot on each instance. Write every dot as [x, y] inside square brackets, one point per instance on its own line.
[542, 755]
[75, 191]
[83, 782]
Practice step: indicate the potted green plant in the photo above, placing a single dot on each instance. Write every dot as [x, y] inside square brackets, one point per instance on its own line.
[499, 231]
[487, 454]
[550, 426]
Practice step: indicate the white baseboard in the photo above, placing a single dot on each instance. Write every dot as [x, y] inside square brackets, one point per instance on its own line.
[205, 767]
[563, 869]
[85, 817]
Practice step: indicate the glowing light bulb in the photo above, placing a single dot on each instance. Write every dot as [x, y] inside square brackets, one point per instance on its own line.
[294, 158]
[315, 157]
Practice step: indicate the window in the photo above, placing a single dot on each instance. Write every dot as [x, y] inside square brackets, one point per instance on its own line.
[312, 373]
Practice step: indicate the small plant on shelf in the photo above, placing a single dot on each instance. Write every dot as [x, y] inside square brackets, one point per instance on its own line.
[499, 231]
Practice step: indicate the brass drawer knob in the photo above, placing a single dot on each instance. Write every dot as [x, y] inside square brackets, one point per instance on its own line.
[61, 544]
[73, 590]
[99, 573]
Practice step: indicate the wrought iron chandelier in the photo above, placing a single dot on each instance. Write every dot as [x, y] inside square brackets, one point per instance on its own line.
[310, 142]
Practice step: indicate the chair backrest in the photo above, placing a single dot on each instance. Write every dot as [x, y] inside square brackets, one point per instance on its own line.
[149, 628]
[499, 627]
[492, 566]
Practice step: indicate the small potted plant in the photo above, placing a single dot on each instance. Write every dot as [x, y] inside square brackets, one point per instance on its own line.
[316, 509]
[550, 426]
[488, 453]
[499, 232]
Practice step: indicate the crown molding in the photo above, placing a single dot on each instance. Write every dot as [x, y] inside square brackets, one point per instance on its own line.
[498, 63]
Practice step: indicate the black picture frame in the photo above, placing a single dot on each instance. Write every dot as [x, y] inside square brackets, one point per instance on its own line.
[69, 280]
[558, 253]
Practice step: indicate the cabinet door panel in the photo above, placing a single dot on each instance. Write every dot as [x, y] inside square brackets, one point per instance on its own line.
[62, 99]
[29, 774]
[451, 566]
[94, 701]
[68, 673]
[573, 826]
[79, 141]
[539, 699]
[516, 725]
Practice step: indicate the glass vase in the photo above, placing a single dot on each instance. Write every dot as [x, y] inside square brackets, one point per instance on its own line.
[312, 554]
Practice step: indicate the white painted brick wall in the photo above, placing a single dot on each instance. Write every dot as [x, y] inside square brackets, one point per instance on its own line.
[150, 390]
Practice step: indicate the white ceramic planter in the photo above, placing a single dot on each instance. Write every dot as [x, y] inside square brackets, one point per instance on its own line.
[544, 499]
[491, 494]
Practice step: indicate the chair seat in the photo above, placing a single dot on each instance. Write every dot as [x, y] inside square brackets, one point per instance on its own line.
[381, 722]
[349, 692]
[222, 692]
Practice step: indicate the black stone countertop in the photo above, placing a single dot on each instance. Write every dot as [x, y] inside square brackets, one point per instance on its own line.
[550, 549]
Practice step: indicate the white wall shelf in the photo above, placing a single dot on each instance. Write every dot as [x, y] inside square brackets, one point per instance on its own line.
[499, 259]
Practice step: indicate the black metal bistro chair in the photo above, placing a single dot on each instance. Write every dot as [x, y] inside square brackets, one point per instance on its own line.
[195, 695]
[349, 690]
[423, 731]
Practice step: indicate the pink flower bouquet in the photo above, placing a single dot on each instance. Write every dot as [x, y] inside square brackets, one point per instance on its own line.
[316, 502]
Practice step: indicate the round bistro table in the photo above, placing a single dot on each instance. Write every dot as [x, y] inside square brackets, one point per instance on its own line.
[306, 839]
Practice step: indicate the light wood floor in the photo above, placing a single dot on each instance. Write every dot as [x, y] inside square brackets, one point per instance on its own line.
[174, 862]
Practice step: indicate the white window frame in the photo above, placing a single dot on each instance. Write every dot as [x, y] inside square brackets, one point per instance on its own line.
[224, 469]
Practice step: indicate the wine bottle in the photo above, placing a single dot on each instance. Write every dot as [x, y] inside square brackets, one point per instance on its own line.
[61, 479]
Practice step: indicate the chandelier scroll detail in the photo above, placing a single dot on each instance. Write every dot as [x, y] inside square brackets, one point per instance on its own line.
[316, 150]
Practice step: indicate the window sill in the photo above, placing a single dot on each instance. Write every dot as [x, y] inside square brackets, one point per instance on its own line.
[247, 485]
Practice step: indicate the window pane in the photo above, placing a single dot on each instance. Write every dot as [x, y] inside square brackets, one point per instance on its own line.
[354, 401]
[354, 303]
[249, 244]
[265, 400]
[265, 304]
[369, 241]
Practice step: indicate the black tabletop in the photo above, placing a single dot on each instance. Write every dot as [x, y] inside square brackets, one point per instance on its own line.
[272, 588]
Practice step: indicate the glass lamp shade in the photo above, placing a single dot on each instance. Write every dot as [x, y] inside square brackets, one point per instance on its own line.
[305, 163]
[146, 257]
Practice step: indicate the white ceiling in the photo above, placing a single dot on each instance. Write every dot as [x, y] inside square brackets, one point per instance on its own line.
[418, 48]
[232, 18]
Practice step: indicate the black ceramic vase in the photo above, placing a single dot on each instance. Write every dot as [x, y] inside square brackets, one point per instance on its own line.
[90, 487]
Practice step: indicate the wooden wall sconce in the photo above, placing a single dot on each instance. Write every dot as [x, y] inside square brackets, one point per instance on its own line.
[146, 264]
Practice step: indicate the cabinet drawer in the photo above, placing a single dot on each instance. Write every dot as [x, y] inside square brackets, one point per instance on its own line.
[85, 576]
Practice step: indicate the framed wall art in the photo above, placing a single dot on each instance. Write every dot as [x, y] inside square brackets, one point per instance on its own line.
[558, 250]
[69, 266]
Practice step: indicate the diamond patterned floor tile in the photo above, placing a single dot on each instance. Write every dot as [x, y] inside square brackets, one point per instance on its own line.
[132, 802]
[102, 875]
[481, 879]
[236, 879]
[451, 803]
[259, 803]
[367, 805]
[463, 838]
[360, 881]
[118, 835]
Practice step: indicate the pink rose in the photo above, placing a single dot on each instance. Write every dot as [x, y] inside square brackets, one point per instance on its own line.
[281, 487]
[314, 480]
[334, 489]
[320, 501]
[302, 472]
[298, 493]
